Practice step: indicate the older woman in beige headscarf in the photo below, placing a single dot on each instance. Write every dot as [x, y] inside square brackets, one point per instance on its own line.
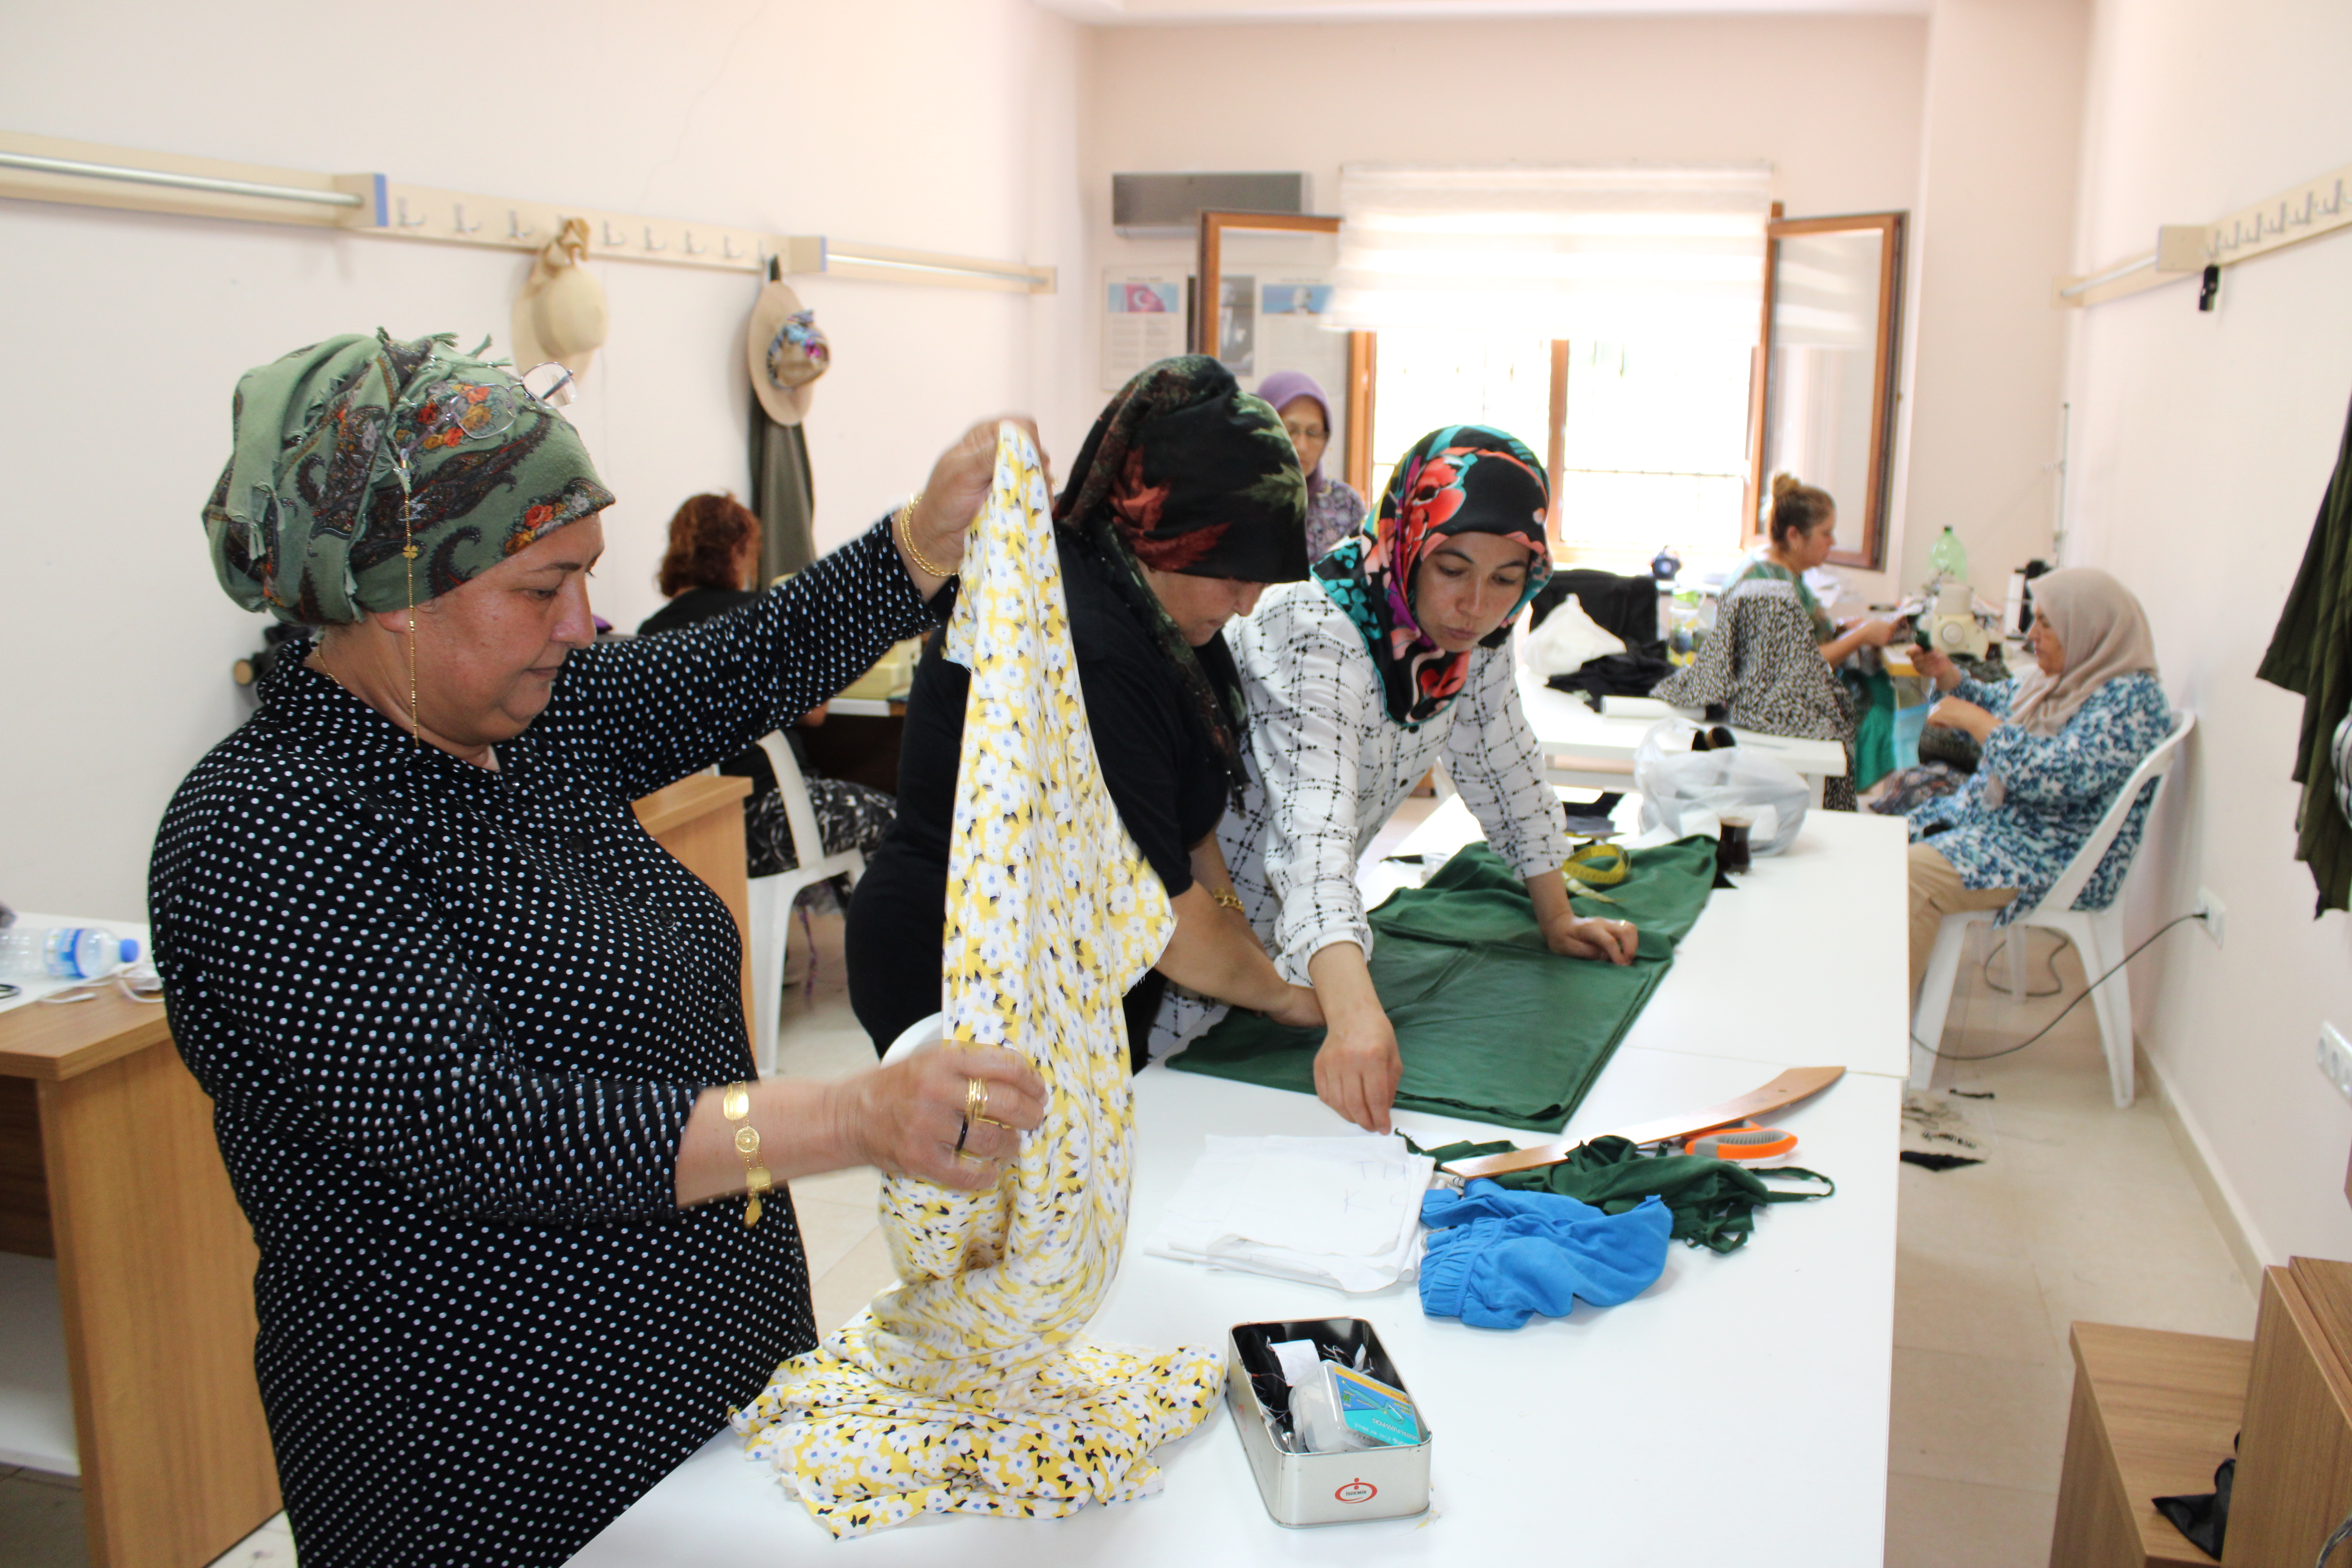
[2058, 740]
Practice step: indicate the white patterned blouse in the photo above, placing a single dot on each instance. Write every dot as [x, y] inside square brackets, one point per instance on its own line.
[1331, 767]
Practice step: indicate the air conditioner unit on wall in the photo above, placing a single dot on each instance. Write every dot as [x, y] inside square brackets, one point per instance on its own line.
[1148, 205]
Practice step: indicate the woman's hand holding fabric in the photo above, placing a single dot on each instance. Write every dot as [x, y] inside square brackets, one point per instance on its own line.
[1958, 713]
[1937, 666]
[951, 497]
[1357, 1069]
[1574, 937]
[907, 1117]
[1869, 632]
[902, 1118]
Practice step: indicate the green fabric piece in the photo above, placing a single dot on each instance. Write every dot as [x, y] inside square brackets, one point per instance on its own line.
[348, 453]
[1493, 1025]
[1873, 692]
[1714, 1201]
[2311, 655]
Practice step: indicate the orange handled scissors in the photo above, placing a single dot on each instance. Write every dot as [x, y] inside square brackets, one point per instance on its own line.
[1745, 1142]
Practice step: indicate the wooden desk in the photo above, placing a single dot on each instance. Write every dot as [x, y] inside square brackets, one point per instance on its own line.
[701, 820]
[109, 1165]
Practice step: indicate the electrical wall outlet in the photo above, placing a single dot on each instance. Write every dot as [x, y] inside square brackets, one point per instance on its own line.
[2335, 1059]
[2211, 913]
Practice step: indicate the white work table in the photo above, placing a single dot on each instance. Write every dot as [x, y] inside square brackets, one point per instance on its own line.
[1801, 963]
[1572, 733]
[1746, 1394]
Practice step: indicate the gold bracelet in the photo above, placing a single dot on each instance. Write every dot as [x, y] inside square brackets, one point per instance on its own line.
[1231, 899]
[735, 1105]
[906, 538]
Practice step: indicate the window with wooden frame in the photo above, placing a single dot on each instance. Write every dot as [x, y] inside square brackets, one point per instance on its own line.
[1825, 406]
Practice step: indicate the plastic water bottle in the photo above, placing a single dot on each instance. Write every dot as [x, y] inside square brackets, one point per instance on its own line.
[63, 953]
[1949, 557]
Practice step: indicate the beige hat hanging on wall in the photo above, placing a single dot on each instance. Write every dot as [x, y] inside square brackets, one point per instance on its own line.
[786, 351]
[561, 313]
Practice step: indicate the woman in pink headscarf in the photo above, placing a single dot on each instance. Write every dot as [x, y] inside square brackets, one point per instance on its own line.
[1333, 507]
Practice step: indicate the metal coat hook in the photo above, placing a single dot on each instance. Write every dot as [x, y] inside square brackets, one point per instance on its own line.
[463, 226]
[614, 237]
[727, 247]
[403, 219]
[653, 244]
[692, 248]
[516, 227]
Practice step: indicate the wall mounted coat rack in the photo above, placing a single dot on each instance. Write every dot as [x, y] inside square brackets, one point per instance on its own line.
[2184, 250]
[84, 174]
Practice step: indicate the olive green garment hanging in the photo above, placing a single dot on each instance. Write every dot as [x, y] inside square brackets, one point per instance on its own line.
[2311, 654]
[1493, 1025]
[783, 495]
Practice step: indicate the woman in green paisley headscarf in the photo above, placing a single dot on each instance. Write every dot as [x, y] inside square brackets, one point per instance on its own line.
[475, 1042]
[1185, 502]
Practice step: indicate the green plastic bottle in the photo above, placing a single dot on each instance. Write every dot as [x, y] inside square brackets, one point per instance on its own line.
[1949, 557]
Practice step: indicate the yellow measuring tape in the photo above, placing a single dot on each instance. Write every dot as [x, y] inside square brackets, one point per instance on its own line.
[1594, 866]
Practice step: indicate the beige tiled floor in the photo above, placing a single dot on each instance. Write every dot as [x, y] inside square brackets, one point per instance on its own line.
[2080, 1212]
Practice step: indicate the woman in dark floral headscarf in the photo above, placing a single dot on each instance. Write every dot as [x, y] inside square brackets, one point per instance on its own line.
[1393, 659]
[1185, 501]
[474, 1042]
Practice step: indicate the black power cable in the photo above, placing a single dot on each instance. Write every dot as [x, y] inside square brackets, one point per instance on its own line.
[2094, 985]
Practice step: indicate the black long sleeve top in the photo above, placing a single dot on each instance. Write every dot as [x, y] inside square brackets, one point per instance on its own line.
[453, 1022]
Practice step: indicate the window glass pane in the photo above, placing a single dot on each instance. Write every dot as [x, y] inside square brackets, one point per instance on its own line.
[1431, 378]
[1820, 409]
[1657, 449]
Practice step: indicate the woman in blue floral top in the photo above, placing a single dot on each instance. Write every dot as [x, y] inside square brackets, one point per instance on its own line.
[2059, 741]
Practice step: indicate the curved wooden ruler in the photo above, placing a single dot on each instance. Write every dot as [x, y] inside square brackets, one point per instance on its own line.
[1796, 1084]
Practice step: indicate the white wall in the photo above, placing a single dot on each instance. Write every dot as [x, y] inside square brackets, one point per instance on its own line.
[2202, 444]
[935, 124]
[2003, 114]
[1834, 103]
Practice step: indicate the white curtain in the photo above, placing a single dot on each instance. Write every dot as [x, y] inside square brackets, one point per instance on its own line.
[1606, 252]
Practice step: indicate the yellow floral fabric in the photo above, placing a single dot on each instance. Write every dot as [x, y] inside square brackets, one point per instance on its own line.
[970, 1387]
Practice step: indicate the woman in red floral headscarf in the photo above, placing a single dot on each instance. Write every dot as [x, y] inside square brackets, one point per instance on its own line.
[1394, 657]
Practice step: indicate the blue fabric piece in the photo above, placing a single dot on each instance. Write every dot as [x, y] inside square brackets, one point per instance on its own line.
[1496, 1257]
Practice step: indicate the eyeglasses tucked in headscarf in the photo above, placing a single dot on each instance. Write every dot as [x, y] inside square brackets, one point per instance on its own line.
[1185, 472]
[368, 474]
[1464, 479]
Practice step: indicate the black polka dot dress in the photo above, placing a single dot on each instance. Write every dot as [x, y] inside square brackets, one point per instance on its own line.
[453, 1022]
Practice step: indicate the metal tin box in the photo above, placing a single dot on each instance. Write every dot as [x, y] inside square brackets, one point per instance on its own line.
[1321, 1488]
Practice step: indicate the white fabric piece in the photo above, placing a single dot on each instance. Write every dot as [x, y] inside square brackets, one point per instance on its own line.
[1344, 1211]
[1595, 252]
[1569, 639]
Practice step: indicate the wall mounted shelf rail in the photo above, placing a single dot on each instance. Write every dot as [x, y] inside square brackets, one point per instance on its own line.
[49, 169]
[2183, 251]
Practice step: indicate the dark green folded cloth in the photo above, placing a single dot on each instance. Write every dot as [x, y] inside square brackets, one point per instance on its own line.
[1493, 1025]
[1714, 1201]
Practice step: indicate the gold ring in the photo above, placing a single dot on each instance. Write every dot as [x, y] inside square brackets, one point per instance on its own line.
[975, 1100]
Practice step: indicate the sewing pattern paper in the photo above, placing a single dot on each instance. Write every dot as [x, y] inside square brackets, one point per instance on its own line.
[970, 1387]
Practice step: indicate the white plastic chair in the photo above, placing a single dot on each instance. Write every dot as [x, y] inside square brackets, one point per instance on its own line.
[772, 898]
[2097, 934]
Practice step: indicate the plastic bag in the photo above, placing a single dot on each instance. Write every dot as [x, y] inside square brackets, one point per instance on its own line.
[1689, 792]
